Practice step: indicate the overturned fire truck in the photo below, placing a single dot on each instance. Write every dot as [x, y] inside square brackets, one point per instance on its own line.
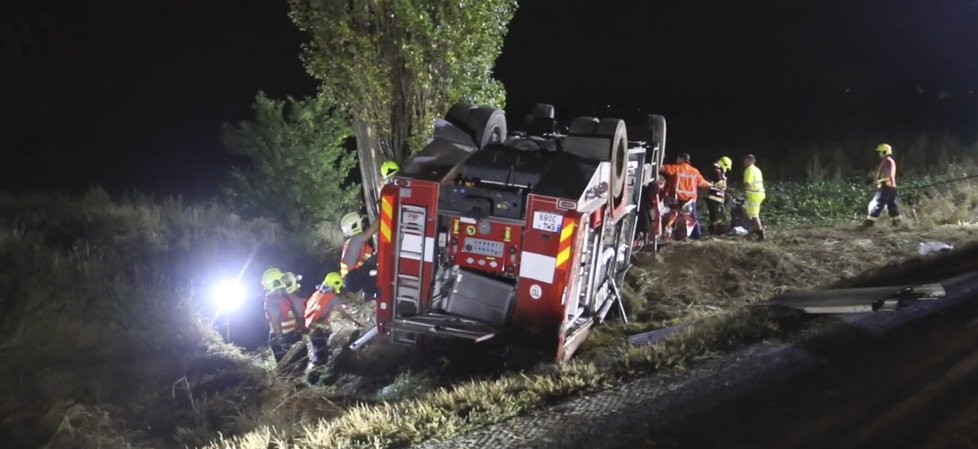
[495, 238]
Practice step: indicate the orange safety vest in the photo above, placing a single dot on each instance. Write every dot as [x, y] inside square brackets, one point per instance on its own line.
[319, 309]
[886, 173]
[684, 180]
[284, 303]
[366, 251]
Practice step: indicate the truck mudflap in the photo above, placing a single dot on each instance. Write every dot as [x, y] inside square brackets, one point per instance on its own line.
[445, 326]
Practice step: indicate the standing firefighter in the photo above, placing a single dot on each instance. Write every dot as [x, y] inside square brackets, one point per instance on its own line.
[282, 308]
[319, 311]
[718, 193]
[886, 194]
[358, 266]
[682, 182]
[754, 195]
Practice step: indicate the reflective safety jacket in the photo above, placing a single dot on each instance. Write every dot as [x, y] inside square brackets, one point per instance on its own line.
[320, 307]
[682, 180]
[279, 306]
[886, 173]
[366, 250]
[753, 180]
[718, 191]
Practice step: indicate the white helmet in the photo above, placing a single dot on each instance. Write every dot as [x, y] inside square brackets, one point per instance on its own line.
[351, 224]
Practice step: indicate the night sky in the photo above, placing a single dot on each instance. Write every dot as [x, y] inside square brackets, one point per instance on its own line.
[131, 94]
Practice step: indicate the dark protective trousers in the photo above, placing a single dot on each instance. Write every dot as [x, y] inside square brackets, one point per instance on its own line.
[319, 340]
[281, 347]
[360, 280]
[715, 208]
[886, 197]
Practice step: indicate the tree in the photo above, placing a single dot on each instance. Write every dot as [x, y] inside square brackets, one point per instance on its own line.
[297, 163]
[395, 65]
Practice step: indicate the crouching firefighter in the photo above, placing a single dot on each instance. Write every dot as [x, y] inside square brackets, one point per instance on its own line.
[358, 264]
[886, 194]
[282, 308]
[717, 196]
[319, 311]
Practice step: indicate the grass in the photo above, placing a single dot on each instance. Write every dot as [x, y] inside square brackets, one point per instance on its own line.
[106, 323]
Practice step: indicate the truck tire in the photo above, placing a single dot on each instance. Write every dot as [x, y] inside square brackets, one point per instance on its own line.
[583, 126]
[543, 110]
[484, 124]
[650, 128]
[615, 130]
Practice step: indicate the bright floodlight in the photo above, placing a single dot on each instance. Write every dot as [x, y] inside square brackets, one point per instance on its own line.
[227, 295]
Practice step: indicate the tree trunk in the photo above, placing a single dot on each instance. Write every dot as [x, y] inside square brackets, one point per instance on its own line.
[370, 152]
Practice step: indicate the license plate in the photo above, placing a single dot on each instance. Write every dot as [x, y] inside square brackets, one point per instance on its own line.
[546, 221]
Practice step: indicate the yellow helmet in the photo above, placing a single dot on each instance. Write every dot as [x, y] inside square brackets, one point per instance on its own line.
[388, 169]
[271, 279]
[351, 224]
[884, 149]
[725, 163]
[334, 281]
[291, 281]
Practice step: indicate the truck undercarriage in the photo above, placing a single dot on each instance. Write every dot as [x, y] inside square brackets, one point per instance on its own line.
[514, 239]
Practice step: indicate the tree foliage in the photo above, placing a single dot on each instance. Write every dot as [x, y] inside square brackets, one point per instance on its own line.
[297, 163]
[396, 65]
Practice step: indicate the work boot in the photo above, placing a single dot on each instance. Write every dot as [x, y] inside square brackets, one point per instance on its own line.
[760, 234]
[867, 224]
[895, 221]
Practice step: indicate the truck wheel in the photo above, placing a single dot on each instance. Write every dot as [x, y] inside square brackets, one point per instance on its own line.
[543, 110]
[583, 126]
[650, 128]
[484, 124]
[615, 130]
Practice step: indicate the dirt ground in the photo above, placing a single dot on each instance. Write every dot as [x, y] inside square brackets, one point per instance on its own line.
[706, 277]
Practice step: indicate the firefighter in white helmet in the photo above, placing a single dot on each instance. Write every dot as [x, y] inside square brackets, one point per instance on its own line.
[886, 193]
[283, 310]
[319, 313]
[358, 267]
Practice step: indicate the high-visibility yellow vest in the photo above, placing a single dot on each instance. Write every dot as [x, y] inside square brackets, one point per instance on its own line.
[753, 180]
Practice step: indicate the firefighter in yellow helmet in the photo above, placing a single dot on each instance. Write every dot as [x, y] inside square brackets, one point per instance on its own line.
[358, 266]
[283, 308]
[754, 195]
[319, 312]
[388, 170]
[886, 193]
[717, 196]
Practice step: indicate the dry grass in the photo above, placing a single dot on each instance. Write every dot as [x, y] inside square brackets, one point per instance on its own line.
[106, 338]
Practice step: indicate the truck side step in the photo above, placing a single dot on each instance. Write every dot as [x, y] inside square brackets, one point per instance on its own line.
[445, 327]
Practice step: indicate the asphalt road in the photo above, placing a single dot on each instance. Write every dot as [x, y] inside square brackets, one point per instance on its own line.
[916, 387]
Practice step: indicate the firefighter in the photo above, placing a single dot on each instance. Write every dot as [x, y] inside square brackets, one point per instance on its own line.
[717, 196]
[389, 169]
[682, 182]
[282, 307]
[753, 195]
[319, 311]
[358, 267]
[886, 194]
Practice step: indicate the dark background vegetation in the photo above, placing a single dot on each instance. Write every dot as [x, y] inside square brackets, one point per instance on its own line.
[131, 95]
